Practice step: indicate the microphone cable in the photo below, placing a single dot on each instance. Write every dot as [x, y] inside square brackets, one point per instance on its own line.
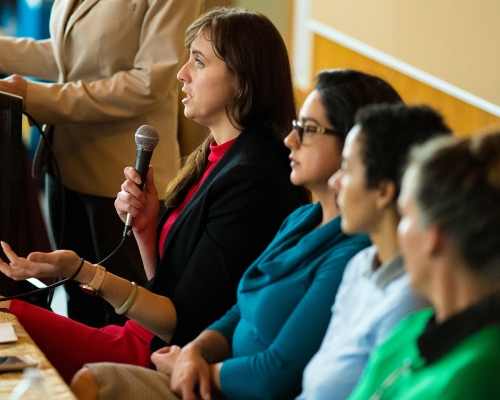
[146, 139]
[57, 171]
[34, 281]
[58, 177]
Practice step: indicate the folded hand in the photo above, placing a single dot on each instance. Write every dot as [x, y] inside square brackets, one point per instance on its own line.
[191, 377]
[165, 359]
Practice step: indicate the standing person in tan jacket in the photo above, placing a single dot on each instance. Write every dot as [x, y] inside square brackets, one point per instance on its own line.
[114, 65]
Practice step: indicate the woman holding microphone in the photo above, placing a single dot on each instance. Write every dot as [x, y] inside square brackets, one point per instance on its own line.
[224, 207]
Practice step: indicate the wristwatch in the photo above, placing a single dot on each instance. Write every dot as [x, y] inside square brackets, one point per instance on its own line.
[93, 287]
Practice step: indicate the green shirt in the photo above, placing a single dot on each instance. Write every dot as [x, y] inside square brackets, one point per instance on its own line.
[470, 369]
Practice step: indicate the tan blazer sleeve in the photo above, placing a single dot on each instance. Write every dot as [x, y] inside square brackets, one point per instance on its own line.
[112, 85]
[29, 57]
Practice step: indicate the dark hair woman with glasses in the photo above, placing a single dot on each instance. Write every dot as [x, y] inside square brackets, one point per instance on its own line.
[261, 346]
[342, 92]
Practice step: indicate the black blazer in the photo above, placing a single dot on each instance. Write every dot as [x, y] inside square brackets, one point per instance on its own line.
[229, 221]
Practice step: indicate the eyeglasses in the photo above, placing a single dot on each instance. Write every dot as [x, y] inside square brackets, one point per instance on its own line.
[309, 130]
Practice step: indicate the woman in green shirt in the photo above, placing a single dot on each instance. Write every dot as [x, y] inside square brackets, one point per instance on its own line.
[449, 233]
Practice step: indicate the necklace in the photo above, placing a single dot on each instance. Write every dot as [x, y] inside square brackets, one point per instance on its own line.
[393, 377]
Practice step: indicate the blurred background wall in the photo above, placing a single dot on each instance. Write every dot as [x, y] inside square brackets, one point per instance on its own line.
[445, 53]
[442, 52]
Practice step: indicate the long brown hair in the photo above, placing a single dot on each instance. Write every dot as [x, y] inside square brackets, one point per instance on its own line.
[253, 49]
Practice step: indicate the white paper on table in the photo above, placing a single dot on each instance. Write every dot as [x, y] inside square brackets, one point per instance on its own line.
[7, 333]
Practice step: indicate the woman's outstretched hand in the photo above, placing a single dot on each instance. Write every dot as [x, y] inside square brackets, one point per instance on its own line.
[61, 263]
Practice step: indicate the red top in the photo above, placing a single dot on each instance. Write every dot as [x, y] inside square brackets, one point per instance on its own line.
[216, 153]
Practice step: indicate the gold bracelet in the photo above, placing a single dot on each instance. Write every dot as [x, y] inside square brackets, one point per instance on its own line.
[128, 303]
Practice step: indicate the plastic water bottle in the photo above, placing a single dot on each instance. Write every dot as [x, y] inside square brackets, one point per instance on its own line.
[32, 387]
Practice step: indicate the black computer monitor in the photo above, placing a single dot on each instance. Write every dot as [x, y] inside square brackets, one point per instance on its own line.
[11, 108]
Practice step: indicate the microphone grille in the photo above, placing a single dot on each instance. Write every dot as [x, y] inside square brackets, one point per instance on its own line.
[147, 137]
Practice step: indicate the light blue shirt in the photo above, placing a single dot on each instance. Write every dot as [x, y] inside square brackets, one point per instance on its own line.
[369, 302]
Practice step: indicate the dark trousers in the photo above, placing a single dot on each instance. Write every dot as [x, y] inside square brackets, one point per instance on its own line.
[93, 230]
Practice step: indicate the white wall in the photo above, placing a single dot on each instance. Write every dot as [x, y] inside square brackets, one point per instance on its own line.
[278, 11]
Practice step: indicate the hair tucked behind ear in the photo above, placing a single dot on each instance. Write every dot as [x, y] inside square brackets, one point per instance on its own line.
[254, 51]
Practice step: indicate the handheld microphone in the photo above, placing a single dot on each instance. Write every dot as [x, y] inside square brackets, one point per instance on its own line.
[147, 139]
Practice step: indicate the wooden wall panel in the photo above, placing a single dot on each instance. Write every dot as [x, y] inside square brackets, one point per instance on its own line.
[463, 118]
[455, 41]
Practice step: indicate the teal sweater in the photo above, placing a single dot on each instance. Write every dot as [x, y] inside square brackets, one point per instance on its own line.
[284, 306]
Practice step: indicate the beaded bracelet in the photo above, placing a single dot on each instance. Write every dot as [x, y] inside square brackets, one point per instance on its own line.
[128, 303]
[78, 270]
